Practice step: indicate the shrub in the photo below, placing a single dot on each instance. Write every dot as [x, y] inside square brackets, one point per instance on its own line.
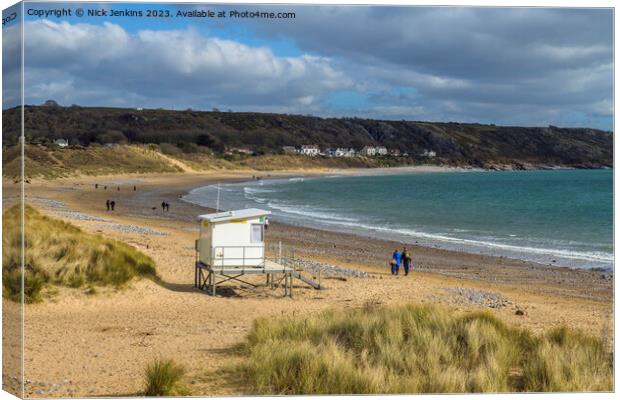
[59, 253]
[161, 378]
[170, 149]
[414, 349]
[567, 361]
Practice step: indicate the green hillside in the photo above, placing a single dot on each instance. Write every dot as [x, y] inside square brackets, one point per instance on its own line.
[192, 132]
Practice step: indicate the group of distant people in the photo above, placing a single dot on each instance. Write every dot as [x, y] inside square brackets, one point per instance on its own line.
[110, 204]
[399, 258]
[118, 188]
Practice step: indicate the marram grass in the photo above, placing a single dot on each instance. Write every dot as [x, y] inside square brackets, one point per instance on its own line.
[162, 378]
[416, 349]
[59, 253]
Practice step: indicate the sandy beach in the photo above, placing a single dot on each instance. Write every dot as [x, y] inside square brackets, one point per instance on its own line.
[104, 340]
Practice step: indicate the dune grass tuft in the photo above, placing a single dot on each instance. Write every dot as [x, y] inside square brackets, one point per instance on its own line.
[415, 349]
[59, 253]
[162, 378]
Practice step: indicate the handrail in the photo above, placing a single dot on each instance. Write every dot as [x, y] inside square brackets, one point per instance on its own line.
[222, 259]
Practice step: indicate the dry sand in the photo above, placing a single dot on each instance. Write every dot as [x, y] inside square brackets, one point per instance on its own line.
[97, 345]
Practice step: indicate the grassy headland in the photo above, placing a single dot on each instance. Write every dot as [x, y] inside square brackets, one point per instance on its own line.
[59, 253]
[47, 162]
[225, 140]
[417, 349]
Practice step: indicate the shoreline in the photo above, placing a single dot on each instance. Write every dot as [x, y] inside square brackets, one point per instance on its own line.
[490, 268]
[460, 245]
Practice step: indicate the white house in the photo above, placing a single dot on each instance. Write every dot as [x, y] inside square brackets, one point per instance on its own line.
[347, 152]
[289, 150]
[232, 238]
[382, 151]
[310, 150]
[368, 151]
[62, 143]
[241, 150]
[429, 153]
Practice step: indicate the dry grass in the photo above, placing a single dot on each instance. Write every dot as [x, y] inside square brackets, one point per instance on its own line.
[162, 378]
[415, 349]
[50, 163]
[59, 253]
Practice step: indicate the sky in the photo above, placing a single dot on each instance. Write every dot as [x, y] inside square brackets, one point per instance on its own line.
[507, 66]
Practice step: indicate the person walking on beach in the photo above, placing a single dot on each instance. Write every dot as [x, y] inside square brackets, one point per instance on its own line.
[112, 204]
[107, 205]
[406, 261]
[396, 259]
[163, 206]
[167, 206]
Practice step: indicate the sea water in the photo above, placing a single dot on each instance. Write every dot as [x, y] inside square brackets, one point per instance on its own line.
[559, 217]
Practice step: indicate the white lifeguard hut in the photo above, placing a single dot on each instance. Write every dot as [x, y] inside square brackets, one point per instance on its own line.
[233, 238]
[232, 244]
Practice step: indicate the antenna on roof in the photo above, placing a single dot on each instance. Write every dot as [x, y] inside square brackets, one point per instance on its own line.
[217, 204]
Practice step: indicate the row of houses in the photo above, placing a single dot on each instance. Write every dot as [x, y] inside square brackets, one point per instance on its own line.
[312, 150]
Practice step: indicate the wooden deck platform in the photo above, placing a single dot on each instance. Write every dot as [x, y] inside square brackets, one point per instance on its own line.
[208, 277]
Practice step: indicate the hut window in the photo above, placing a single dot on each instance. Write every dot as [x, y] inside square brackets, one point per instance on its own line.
[257, 233]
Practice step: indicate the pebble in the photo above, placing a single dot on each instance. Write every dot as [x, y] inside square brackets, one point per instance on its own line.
[133, 229]
[59, 208]
[480, 297]
[326, 270]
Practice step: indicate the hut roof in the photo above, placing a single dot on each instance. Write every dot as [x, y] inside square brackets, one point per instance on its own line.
[235, 214]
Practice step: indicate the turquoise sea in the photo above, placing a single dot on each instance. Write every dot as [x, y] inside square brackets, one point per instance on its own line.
[559, 217]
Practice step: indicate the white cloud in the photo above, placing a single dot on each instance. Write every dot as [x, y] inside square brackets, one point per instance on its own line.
[91, 64]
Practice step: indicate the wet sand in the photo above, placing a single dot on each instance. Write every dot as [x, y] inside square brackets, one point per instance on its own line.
[104, 340]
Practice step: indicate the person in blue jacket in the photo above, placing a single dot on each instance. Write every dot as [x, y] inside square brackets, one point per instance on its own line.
[396, 259]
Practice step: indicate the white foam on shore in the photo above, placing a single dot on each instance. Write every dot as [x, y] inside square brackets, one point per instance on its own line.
[325, 218]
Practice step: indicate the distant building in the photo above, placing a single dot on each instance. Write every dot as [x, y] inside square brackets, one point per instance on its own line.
[381, 150]
[242, 150]
[289, 150]
[62, 143]
[348, 152]
[395, 152]
[340, 152]
[428, 153]
[310, 150]
[369, 151]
